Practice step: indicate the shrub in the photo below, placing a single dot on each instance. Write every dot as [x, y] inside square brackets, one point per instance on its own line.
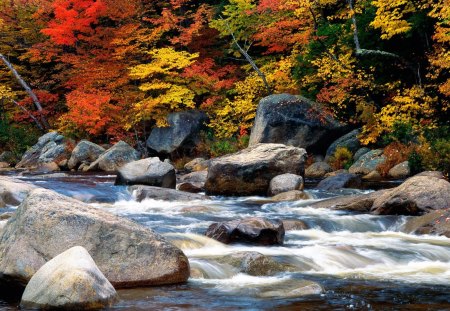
[342, 158]
[395, 153]
[16, 138]
[402, 133]
[212, 146]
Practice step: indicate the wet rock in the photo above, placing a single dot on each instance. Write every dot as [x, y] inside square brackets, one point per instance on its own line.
[284, 183]
[361, 151]
[51, 147]
[182, 134]
[150, 172]
[128, 254]
[356, 203]
[6, 216]
[13, 191]
[115, 157]
[254, 263]
[293, 288]
[416, 196]
[196, 165]
[293, 224]
[191, 240]
[318, 170]
[349, 141]
[70, 281]
[194, 177]
[340, 181]
[437, 222]
[48, 167]
[4, 165]
[190, 187]
[293, 195]
[373, 176]
[148, 192]
[250, 171]
[401, 170]
[435, 174]
[253, 230]
[84, 152]
[368, 162]
[296, 121]
[334, 173]
[198, 209]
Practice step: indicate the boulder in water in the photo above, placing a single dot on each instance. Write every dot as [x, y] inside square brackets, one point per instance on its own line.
[13, 191]
[115, 157]
[340, 181]
[401, 170]
[84, 152]
[196, 165]
[293, 195]
[69, 281]
[437, 222]
[149, 192]
[294, 224]
[318, 170]
[284, 183]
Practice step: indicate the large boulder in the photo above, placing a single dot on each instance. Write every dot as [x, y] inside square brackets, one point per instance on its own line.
[198, 164]
[70, 281]
[401, 170]
[13, 191]
[84, 152]
[285, 182]
[142, 193]
[253, 230]
[296, 121]
[339, 181]
[150, 172]
[368, 162]
[182, 134]
[360, 152]
[318, 170]
[417, 195]
[249, 171]
[349, 141]
[128, 254]
[51, 147]
[437, 222]
[115, 157]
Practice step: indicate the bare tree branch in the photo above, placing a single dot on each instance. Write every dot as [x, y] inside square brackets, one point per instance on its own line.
[38, 124]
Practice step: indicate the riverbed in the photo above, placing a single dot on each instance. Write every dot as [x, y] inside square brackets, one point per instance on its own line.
[362, 262]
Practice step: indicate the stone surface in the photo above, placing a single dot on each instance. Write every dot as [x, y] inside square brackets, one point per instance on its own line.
[115, 157]
[339, 181]
[401, 170]
[292, 289]
[148, 192]
[84, 152]
[296, 121]
[284, 183]
[51, 147]
[435, 174]
[416, 196]
[182, 134]
[250, 171]
[254, 263]
[70, 281]
[437, 222]
[198, 164]
[191, 187]
[360, 152]
[194, 177]
[318, 170]
[128, 254]
[13, 191]
[294, 224]
[373, 176]
[253, 230]
[4, 165]
[150, 172]
[293, 195]
[368, 162]
[349, 141]
[356, 203]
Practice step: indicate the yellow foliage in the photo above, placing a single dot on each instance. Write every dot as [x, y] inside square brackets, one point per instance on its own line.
[6, 92]
[390, 17]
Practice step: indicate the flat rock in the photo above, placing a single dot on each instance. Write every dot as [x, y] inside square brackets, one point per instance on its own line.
[340, 181]
[148, 192]
[69, 281]
[293, 195]
[437, 222]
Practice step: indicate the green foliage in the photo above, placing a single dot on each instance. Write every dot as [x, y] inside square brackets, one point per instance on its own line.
[401, 132]
[16, 138]
[415, 162]
[213, 146]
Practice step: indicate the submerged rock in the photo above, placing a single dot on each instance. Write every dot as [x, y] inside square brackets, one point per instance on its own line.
[114, 158]
[249, 171]
[84, 152]
[254, 263]
[129, 254]
[293, 288]
[148, 192]
[437, 222]
[285, 182]
[293, 224]
[69, 281]
[253, 230]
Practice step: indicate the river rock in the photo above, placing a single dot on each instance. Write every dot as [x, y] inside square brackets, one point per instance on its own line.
[249, 171]
[51, 147]
[435, 174]
[70, 281]
[254, 263]
[128, 254]
[294, 224]
[416, 196]
[285, 182]
[401, 170]
[349, 141]
[13, 191]
[437, 222]
[355, 203]
[253, 230]
[361, 151]
[339, 181]
[4, 165]
[84, 152]
[148, 192]
[373, 176]
[194, 177]
[198, 164]
[291, 289]
[190, 187]
[115, 157]
[368, 162]
[318, 170]
[182, 134]
[293, 195]
[150, 172]
[296, 121]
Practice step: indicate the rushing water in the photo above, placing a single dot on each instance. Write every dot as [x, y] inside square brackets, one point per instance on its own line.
[361, 261]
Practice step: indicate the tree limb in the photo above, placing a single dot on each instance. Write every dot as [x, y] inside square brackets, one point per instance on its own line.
[38, 124]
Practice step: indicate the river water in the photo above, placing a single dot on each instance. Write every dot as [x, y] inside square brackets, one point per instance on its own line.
[363, 262]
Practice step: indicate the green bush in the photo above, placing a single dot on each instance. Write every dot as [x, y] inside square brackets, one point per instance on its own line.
[17, 138]
[401, 133]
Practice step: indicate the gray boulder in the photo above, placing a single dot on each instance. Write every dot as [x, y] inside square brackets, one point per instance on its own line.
[437, 222]
[296, 121]
[84, 152]
[13, 191]
[318, 170]
[114, 158]
[349, 141]
[368, 162]
[182, 134]
[128, 254]
[361, 151]
[249, 171]
[70, 281]
[253, 230]
[285, 182]
[150, 172]
[339, 181]
[198, 164]
[401, 170]
[435, 174]
[148, 192]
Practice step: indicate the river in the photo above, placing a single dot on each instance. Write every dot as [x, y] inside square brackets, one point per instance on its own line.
[363, 262]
